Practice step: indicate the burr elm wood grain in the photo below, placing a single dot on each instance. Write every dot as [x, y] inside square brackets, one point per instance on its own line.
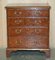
[28, 28]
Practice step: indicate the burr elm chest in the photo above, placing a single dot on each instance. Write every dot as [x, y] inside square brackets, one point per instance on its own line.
[28, 27]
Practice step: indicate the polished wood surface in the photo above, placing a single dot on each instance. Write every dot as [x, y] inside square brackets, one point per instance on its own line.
[27, 27]
[31, 42]
[14, 31]
[15, 21]
[26, 13]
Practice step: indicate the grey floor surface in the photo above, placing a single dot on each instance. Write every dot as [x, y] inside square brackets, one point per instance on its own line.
[3, 54]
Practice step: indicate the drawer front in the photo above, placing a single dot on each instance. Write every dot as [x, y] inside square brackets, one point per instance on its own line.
[28, 42]
[13, 31]
[28, 22]
[16, 42]
[37, 22]
[16, 22]
[26, 13]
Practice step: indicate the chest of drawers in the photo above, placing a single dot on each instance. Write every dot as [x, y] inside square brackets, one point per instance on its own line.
[28, 28]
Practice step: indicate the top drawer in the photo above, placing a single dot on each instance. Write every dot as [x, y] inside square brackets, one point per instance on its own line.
[26, 13]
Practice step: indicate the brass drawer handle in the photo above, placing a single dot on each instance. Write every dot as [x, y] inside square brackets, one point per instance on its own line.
[37, 31]
[38, 12]
[18, 42]
[18, 21]
[37, 21]
[20, 13]
[18, 31]
[15, 12]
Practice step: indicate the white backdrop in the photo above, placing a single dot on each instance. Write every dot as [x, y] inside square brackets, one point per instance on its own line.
[27, 1]
[3, 29]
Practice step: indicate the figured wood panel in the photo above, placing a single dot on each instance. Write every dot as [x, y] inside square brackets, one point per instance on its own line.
[28, 22]
[14, 31]
[28, 28]
[26, 13]
[28, 42]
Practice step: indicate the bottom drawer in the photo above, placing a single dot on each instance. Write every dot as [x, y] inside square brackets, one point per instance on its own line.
[28, 42]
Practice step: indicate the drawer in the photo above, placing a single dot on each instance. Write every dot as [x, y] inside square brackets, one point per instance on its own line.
[16, 22]
[28, 42]
[16, 42]
[13, 31]
[37, 22]
[28, 22]
[36, 31]
[26, 13]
